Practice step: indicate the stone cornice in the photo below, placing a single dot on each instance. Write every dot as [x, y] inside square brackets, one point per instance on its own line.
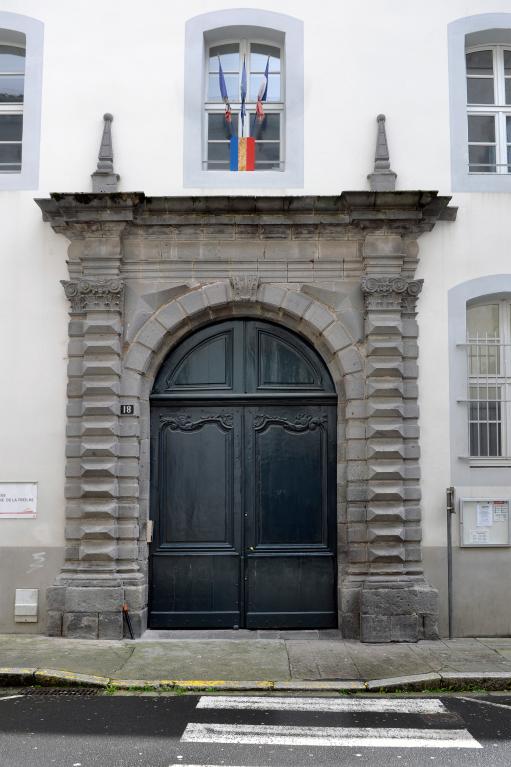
[94, 294]
[404, 212]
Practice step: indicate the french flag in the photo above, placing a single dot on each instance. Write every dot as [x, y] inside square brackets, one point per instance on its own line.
[242, 153]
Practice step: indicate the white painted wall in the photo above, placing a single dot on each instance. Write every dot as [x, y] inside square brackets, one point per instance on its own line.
[360, 59]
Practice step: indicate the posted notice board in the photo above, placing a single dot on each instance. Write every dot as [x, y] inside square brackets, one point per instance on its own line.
[18, 500]
[484, 522]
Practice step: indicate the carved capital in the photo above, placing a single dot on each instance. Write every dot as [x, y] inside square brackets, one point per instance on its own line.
[94, 294]
[390, 292]
[244, 287]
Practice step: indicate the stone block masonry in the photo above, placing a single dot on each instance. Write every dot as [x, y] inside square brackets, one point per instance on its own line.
[145, 272]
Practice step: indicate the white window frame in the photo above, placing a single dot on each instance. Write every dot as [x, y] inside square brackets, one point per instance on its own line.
[274, 29]
[499, 109]
[15, 108]
[487, 30]
[497, 348]
[270, 107]
[468, 471]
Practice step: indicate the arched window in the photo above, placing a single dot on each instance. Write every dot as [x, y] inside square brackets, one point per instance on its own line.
[12, 86]
[244, 99]
[489, 108]
[250, 62]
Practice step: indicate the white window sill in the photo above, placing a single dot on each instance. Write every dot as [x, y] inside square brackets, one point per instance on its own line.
[497, 462]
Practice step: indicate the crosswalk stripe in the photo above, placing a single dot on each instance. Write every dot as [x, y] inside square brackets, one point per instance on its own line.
[380, 705]
[376, 737]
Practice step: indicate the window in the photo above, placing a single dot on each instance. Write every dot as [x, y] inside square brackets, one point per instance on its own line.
[233, 67]
[489, 109]
[12, 82]
[480, 102]
[489, 379]
[247, 44]
[21, 68]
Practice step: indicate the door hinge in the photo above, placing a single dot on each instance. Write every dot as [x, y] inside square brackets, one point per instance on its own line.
[149, 531]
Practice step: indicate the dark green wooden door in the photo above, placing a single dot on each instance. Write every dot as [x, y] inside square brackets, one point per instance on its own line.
[243, 424]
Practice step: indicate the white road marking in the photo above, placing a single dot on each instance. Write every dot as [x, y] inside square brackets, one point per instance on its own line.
[483, 702]
[381, 705]
[10, 697]
[374, 737]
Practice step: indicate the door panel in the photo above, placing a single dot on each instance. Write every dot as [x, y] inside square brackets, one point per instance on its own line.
[289, 466]
[290, 591]
[195, 512]
[290, 523]
[195, 578]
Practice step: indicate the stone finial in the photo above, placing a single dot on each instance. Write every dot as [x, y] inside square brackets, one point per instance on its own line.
[104, 179]
[382, 179]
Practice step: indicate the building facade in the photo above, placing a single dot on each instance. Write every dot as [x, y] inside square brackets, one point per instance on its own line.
[250, 387]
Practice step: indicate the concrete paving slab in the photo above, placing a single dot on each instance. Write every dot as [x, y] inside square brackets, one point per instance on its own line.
[377, 661]
[496, 643]
[320, 660]
[450, 653]
[101, 657]
[208, 660]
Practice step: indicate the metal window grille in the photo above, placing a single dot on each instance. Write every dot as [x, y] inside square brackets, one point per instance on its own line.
[489, 401]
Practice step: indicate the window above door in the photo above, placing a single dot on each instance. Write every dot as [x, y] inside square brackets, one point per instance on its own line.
[243, 100]
[250, 74]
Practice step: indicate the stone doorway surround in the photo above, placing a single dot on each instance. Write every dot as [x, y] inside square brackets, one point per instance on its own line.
[340, 271]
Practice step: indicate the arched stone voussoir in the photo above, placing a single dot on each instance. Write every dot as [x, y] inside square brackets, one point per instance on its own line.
[301, 313]
[138, 358]
[217, 293]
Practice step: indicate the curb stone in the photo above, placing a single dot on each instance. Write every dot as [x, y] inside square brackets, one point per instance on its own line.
[409, 682]
[334, 686]
[128, 684]
[12, 676]
[489, 680]
[49, 677]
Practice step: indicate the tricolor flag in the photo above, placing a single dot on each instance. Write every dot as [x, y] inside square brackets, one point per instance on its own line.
[242, 153]
[223, 92]
[243, 110]
[262, 93]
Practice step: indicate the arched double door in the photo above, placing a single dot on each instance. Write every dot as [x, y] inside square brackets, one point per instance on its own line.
[243, 476]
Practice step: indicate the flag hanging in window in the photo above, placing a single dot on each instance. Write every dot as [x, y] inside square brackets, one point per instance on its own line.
[243, 110]
[242, 153]
[262, 93]
[224, 94]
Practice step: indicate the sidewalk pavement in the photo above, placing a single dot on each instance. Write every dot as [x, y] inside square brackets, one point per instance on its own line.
[292, 660]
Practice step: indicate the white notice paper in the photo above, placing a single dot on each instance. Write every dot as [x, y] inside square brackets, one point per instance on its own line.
[479, 536]
[18, 500]
[484, 515]
[500, 511]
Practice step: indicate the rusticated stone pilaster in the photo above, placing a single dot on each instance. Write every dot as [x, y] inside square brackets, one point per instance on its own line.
[393, 492]
[101, 543]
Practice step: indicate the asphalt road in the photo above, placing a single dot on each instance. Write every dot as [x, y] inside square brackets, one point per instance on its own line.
[163, 731]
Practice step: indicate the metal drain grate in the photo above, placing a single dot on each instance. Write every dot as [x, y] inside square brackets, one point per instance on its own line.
[58, 691]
